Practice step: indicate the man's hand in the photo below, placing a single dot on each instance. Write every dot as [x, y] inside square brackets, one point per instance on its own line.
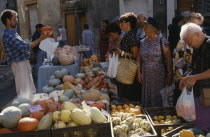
[140, 77]
[42, 37]
[191, 80]
[182, 83]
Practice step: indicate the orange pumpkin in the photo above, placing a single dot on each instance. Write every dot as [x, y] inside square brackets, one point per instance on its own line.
[37, 115]
[27, 124]
[51, 107]
[5, 130]
[43, 104]
[68, 78]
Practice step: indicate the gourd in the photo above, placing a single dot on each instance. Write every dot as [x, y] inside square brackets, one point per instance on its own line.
[5, 130]
[68, 78]
[43, 104]
[51, 107]
[59, 124]
[47, 89]
[54, 82]
[27, 124]
[67, 95]
[186, 133]
[66, 58]
[67, 105]
[145, 125]
[24, 109]
[104, 97]
[37, 115]
[96, 115]
[116, 120]
[59, 74]
[52, 77]
[91, 95]
[138, 120]
[72, 124]
[80, 75]
[140, 131]
[135, 126]
[128, 121]
[124, 128]
[80, 117]
[59, 87]
[45, 122]
[117, 130]
[56, 94]
[19, 101]
[10, 117]
[55, 60]
[65, 116]
[76, 91]
[56, 115]
[132, 133]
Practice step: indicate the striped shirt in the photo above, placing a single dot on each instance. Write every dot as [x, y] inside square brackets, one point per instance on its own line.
[15, 48]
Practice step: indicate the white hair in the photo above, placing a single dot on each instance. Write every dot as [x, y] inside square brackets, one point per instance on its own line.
[142, 14]
[188, 29]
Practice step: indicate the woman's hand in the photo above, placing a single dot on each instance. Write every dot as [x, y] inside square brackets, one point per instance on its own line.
[140, 77]
[182, 83]
[118, 51]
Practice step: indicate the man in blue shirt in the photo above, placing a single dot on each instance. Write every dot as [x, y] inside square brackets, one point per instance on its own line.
[36, 50]
[88, 39]
[18, 53]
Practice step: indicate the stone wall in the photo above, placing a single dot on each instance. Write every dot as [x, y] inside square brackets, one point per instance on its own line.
[2, 7]
[99, 9]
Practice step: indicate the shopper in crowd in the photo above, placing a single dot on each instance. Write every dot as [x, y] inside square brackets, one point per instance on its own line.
[200, 78]
[62, 35]
[129, 47]
[18, 54]
[36, 50]
[88, 39]
[140, 32]
[196, 18]
[153, 73]
[104, 40]
[183, 56]
[174, 30]
[114, 32]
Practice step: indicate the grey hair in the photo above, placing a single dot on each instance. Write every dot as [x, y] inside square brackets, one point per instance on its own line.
[189, 29]
[142, 14]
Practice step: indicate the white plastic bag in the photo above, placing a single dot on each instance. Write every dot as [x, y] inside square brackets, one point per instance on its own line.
[113, 64]
[185, 106]
[168, 95]
[49, 45]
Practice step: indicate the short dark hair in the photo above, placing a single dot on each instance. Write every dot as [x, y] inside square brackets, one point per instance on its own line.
[39, 26]
[177, 19]
[106, 21]
[86, 26]
[7, 14]
[129, 17]
[113, 27]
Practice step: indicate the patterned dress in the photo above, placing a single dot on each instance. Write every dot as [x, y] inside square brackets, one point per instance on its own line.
[152, 72]
[103, 44]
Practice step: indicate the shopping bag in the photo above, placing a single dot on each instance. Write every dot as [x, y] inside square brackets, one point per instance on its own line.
[168, 95]
[113, 65]
[49, 45]
[185, 106]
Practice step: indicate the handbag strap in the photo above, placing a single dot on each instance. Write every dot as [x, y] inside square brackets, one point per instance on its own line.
[163, 57]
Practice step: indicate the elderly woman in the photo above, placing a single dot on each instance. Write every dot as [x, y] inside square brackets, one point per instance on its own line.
[128, 47]
[194, 37]
[154, 54]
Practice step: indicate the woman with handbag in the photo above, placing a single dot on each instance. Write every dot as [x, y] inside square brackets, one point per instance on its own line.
[129, 48]
[155, 69]
[200, 79]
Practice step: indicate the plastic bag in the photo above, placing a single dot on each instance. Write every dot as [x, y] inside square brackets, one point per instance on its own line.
[185, 106]
[168, 95]
[49, 45]
[113, 64]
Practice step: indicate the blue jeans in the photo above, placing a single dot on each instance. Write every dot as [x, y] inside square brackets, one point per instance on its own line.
[39, 61]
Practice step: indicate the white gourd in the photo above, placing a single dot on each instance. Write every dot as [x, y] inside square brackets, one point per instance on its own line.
[97, 116]
[80, 117]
